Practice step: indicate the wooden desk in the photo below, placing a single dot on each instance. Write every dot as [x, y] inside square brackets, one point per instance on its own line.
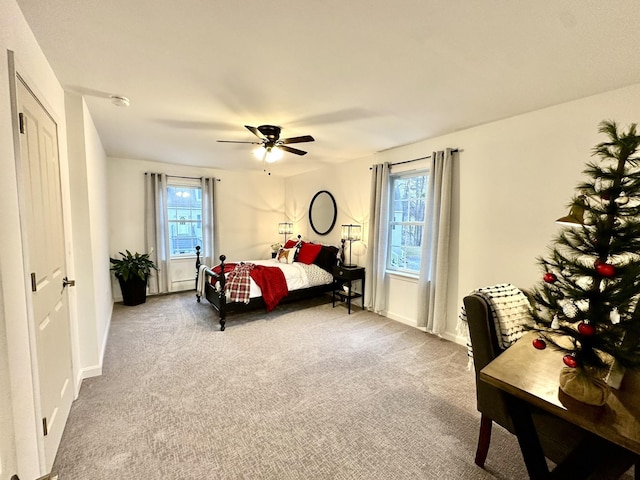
[531, 376]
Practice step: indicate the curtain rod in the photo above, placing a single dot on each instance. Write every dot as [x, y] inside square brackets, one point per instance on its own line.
[188, 178]
[455, 150]
[192, 178]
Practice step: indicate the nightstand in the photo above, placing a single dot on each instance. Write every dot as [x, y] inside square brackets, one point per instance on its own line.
[347, 275]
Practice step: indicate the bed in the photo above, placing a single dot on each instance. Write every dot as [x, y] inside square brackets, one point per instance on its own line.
[300, 270]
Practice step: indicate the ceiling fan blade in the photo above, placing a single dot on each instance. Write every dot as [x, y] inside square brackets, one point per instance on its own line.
[235, 141]
[292, 150]
[254, 130]
[302, 139]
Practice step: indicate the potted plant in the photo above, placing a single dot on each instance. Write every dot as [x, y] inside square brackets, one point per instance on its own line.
[274, 249]
[132, 271]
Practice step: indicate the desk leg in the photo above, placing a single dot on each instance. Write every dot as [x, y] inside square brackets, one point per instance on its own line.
[593, 458]
[527, 438]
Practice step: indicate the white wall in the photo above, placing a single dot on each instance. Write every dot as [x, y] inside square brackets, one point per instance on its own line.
[89, 209]
[18, 445]
[511, 181]
[96, 164]
[249, 207]
[347, 184]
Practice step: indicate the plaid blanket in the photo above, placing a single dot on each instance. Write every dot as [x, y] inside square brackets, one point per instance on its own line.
[238, 285]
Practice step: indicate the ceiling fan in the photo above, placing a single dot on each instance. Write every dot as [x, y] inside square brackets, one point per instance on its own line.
[271, 144]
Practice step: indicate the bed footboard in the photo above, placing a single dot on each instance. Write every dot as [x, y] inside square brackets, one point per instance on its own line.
[216, 297]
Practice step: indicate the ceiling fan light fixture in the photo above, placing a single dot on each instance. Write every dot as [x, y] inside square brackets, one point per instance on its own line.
[273, 154]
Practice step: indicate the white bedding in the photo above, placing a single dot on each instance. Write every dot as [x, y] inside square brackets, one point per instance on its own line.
[298, 275]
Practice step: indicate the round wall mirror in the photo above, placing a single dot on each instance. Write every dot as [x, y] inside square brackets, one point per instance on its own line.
[322, 212]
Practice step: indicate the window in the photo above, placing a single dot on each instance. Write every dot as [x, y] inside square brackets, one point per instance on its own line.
[184, 213]
[406, 221]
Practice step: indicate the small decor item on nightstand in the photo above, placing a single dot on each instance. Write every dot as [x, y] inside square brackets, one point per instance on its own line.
[340, 254]
[274, 249]
[352, 233]
[346, 288]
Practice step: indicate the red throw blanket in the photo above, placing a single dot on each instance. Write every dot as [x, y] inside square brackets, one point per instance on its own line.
[272, 283]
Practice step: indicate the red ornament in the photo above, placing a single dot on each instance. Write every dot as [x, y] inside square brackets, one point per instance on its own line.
[539, 344]
[586, 329]
[606, 270]
[550, 277]
[570, 361]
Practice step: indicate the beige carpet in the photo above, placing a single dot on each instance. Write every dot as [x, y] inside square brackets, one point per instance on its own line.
[304, 392]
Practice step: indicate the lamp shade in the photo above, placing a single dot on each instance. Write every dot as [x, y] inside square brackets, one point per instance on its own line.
[285, 228]
[351, 232]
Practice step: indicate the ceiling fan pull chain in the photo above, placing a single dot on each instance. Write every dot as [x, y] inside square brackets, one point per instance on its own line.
[264, 162]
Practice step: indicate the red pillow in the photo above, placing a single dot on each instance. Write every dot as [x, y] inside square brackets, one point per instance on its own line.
[290, 244]
[308, 253]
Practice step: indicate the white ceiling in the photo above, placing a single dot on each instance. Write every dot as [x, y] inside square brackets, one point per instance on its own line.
[361, 76]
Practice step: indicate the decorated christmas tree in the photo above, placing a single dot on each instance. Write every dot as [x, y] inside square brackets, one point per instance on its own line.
[587, 304]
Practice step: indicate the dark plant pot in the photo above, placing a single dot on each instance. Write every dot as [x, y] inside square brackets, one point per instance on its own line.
[134, 291]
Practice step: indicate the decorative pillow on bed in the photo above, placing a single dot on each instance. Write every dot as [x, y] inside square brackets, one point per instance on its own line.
[326, 259]
[286, 255]
[290, 243]
[308, 253]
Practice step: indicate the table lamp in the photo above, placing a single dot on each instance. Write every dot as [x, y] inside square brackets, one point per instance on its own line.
[285, 228]
[353, 233]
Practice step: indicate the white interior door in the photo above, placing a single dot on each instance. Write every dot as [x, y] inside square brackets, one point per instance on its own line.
[44, 242]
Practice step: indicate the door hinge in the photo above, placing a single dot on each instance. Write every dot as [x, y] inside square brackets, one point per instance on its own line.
[22, 119]
[34, 286]
[44, 427]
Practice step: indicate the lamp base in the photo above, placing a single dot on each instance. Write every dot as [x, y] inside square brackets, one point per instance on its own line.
[349, 266]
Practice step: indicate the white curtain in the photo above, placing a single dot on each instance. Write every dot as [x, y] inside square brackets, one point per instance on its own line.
[209, 253]
[432, 283]
[157, 231]
[375, 294]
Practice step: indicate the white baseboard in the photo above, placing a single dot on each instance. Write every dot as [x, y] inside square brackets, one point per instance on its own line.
[412, 323]
[455, 339]
[405, 320]
[94, 371]
[105, 338]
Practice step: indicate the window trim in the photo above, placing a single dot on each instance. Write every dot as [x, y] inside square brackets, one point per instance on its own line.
[390, 269]
[173, 182]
